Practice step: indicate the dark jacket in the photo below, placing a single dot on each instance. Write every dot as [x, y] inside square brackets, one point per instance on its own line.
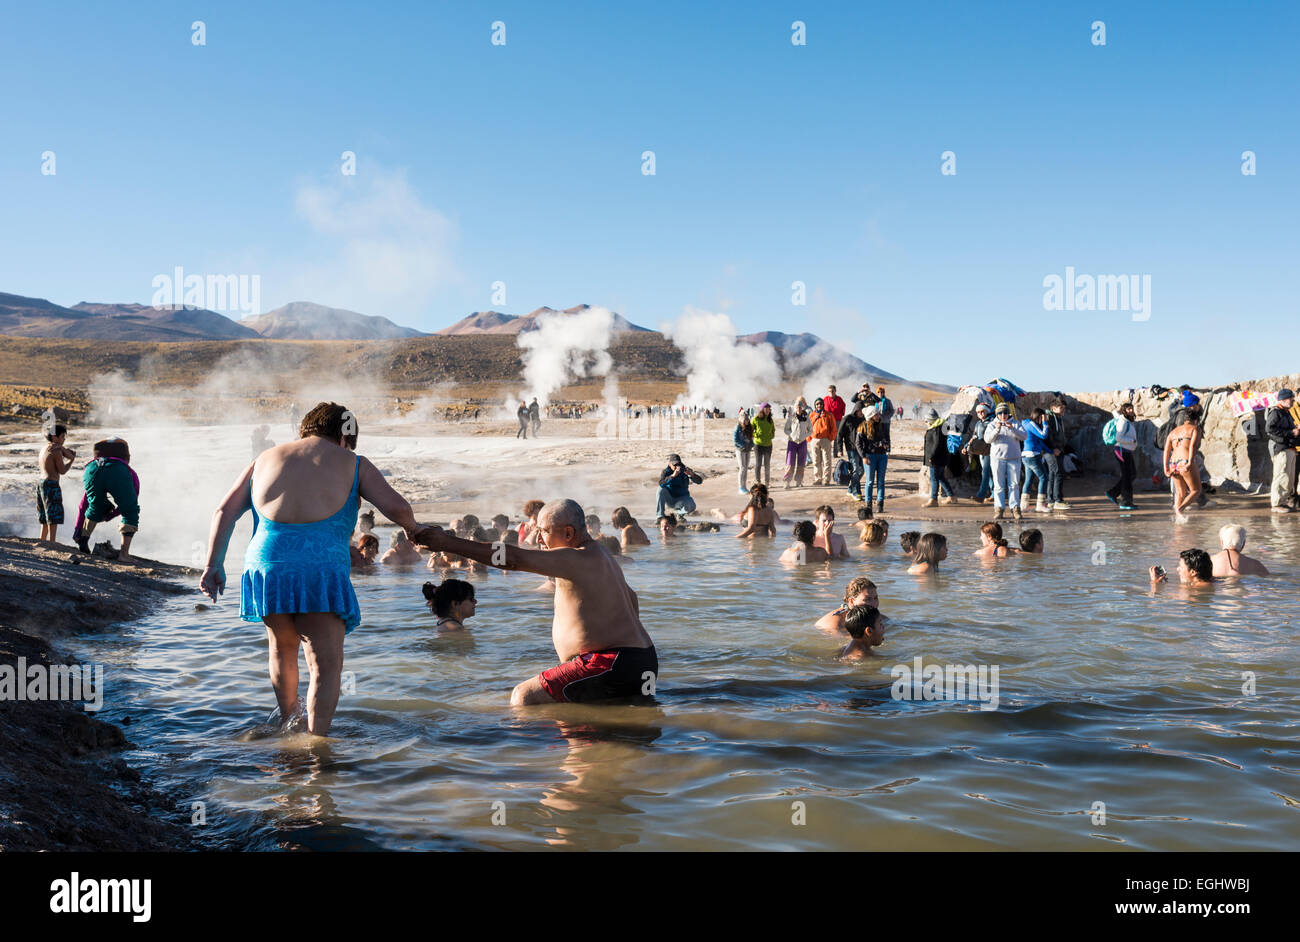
[848, 433]
[936, 447]
[1056, 439]
[1280, 429]
[679, 486]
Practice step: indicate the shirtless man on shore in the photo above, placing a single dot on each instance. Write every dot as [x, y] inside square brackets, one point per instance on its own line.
[604, 650]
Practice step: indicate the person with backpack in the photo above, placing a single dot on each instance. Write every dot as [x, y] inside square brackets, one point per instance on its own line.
[1283, 437]
[936, 456]
[846, 443]
[1004, 436]
[1121, 434]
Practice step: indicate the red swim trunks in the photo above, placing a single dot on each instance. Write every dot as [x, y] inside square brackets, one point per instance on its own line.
[602, 675]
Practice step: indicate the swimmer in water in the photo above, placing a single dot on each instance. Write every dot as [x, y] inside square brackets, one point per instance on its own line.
[667, 527]
[875, 533]
[759, 516]
[630, 532]
[803, 550]
[826, 538]
[860, 591]
[528, 529]
[367, 551]
[605, 652]
[1232, 561]
[1194, 570]
[907, 542]
[593, 525]
[401, 551]
[615, 548]
[992, 544]
[860, 622]
[931, 549]
[1031, 541]
[453, 601]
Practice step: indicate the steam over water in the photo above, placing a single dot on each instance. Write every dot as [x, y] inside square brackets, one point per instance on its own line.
[1107, 695]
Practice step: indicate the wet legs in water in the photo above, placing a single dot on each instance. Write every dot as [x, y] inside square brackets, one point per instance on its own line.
[321, 634]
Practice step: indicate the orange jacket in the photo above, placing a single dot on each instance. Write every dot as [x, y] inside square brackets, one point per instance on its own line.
[823, 426]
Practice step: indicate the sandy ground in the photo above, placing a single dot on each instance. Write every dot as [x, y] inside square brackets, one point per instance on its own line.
[62, 786]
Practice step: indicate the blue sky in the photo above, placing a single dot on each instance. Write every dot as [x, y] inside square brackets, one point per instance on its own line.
[775, 163]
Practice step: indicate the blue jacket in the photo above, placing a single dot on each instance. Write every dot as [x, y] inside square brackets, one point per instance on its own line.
[1036, 438]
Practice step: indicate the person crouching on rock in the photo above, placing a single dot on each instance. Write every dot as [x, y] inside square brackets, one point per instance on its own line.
[111, 488]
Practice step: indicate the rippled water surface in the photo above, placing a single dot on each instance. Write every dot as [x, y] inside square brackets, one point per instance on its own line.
[1107, 694]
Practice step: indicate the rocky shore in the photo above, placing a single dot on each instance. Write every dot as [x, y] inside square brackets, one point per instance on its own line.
[63, 785]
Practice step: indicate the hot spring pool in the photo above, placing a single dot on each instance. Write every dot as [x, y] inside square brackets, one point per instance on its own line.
[759, 738]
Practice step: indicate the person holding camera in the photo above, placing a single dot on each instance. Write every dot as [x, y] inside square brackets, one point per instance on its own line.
[1004, 436]
[675, 487]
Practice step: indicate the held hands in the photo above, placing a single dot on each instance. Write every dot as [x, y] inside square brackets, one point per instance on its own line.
[213, 582]
[429, 537]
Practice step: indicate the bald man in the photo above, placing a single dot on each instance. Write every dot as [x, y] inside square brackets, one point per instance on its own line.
[604, 650]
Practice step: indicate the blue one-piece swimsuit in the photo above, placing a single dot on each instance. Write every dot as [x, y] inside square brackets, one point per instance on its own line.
[293, 568]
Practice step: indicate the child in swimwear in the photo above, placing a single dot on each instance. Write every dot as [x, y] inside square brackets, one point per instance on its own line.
[111, 489]
[453, 601]
[860, 622]
[907, 542]
[630, 532]
[54, 461]
[931, 549]
[827, 538]
[860, 591]
[803, 550]
[1031, 541]
[992, 543]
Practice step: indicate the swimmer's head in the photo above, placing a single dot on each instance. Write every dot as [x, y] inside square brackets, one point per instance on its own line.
[444, 600]
[482, 535]
[824, 512]
[864, 513]
[875, 533]
[860, 619]
[470, 522]
[501, 522]
[931, 548]
[805, 531]
[993, 532]
[612, 544]
[397, 539]
[621, 518]
[531, 508]
[666, 524]
[593, 523]
[562, 523]
[907, 540]
[1031, 541]
[1195, 565]
[511, 538]
[368, 546]
[1233, 537]
[861, 591]
[758, 496]
[332, 422]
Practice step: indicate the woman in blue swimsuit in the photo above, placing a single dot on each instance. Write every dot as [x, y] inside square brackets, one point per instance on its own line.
[304, 496]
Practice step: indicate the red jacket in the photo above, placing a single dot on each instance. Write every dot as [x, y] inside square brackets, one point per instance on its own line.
[835, 406]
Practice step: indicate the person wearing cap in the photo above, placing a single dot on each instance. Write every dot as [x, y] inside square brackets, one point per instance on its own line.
[1126, 441]
[1283, 437]
[1004, 436]
[884, 406]
[985, 493]
[764, 434]
[936, 456]
[675, 487]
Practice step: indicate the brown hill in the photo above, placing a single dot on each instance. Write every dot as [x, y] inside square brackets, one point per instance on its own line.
[494, 322]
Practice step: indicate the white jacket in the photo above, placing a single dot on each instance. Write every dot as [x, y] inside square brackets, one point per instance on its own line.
[1004, 440]
[1126, 435]
[796, 430]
